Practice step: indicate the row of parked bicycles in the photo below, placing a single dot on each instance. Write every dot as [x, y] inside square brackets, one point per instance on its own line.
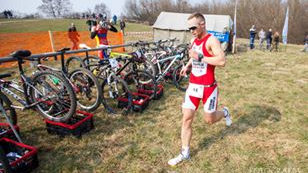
[87, 82]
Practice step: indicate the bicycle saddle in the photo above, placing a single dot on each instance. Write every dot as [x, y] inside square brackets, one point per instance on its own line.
[5, 75]
[21, 53]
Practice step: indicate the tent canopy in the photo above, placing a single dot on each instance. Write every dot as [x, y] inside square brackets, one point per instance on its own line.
[178, 22]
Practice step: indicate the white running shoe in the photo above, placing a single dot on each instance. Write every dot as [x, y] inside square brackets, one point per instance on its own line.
[227, 116]
[177, 160]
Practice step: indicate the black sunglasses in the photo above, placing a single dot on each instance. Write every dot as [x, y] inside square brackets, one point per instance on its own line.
[192, 28]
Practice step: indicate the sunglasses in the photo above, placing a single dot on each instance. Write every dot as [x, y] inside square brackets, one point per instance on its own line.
[195, 27]
[192, 28]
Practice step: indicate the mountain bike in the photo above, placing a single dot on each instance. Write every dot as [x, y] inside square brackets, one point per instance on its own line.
[46, 91]
[145, 65]
[118, 82]
[84, 83]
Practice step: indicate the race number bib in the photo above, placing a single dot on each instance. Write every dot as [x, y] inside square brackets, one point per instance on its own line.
[198, 68]
[113, 63]
[195, 90]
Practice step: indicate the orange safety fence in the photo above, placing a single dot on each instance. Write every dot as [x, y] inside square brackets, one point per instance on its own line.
[39, 42]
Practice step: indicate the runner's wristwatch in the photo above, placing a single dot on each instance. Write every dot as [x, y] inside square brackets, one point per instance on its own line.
[200, 57]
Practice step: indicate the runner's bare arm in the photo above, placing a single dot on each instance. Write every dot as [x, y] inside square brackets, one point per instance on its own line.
[218, 58]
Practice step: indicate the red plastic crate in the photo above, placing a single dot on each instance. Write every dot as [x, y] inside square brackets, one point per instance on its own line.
[140, 102]
[28, 160]
[147, 89]
[6, 131]
[79, 124]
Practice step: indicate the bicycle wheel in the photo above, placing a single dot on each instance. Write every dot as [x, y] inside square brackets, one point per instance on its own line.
[116, 97]
[183, 48]
[141, 80]
[5, 165]
[53, 96]
[181, 82]
[73, 63]
[88, 90]
[90, 62]
[168, 75]
[148, 67]
[10, 112]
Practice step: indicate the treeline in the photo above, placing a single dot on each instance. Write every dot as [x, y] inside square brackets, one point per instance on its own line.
[262, 13]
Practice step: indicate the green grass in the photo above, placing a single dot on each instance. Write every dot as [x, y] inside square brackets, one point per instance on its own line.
[266, 93]
[35, 25]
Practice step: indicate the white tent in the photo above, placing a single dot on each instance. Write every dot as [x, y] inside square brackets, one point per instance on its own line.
[175, 25]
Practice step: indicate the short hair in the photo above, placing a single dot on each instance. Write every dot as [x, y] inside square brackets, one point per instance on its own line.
[197, 15]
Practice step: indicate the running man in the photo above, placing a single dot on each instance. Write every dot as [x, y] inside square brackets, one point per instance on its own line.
[205, 54]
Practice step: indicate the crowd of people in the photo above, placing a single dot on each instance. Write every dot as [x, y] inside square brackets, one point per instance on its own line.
[98, 27]
[272, 41]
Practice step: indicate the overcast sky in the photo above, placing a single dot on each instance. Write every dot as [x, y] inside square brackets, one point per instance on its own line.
[30, 6]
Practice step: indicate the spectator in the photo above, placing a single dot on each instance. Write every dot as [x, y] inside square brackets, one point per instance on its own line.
[252, 33]
[262, 37]
[91, 23]
[99, 32]
[225, 43]
[306, 44]
[114, 19]
[276, 41]
[100, 16]
[73, 37]
[122, 26]
[269, 38]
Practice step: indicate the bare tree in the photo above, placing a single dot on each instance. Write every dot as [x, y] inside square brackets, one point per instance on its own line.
[102, 9]
[261, 13]
[132, 10]
[55, 8]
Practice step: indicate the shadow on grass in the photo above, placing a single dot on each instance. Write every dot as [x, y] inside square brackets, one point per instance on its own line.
[258, 114]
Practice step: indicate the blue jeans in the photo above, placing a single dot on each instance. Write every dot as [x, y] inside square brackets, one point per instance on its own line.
[252, 40]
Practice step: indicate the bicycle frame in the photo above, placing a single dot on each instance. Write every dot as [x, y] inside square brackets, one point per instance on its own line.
[5, 85]
[26, 82]
[63, 72]
[174, 58]
[9, 122]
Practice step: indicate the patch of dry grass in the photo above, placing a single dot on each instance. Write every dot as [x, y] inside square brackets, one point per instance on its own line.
[265, 91]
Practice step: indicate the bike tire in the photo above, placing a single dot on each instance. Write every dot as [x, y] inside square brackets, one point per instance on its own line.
[73, 63]
[139, 80]
[168, 75]
[65, 102]
[181, 82]
[11, 113]
[90, 61]
[86, 86]
[111, 96]
[148, 67]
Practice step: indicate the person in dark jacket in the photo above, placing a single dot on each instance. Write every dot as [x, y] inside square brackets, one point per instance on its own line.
[122, 26]
[269, 38]
[252, 33]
